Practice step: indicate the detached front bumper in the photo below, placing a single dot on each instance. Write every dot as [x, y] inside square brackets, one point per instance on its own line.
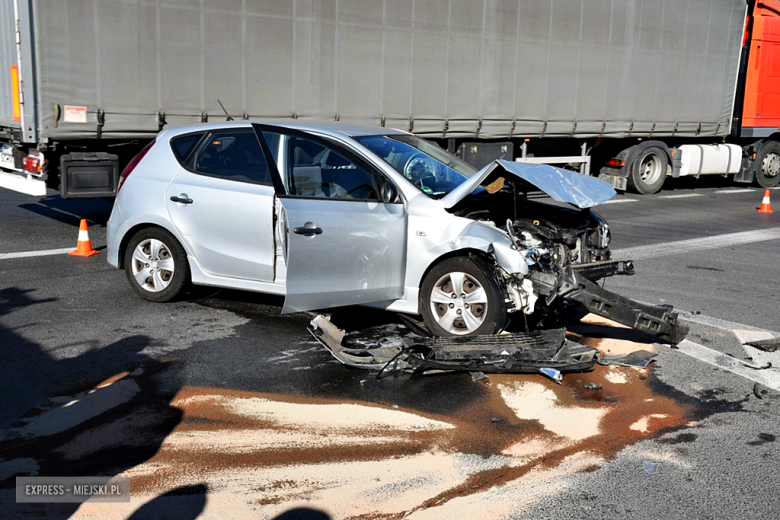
[568, 284]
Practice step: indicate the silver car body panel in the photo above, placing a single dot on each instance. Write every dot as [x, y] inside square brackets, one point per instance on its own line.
[359, 257]
[562, 185]
[419, 225]
[239, 247]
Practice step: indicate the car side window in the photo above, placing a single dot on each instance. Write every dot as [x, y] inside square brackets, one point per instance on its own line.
[233, 154]
[314, 169]
[183, 145]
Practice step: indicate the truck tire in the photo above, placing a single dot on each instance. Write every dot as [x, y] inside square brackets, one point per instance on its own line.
[768, 165]
[457, 298]
[156, 265]
[647, 172]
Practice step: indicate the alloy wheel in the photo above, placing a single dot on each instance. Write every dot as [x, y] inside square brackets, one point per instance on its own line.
[459, 303]
[152, 265]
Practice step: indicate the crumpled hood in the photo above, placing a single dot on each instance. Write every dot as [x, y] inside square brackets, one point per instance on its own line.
[562, 185]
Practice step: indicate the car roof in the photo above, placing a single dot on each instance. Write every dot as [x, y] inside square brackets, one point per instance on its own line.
[321, 126]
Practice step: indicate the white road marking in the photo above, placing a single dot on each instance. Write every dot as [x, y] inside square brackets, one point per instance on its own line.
[681, 196]
[618, 201]
[767, 377]
[27, 254]
[697, 244]
[743, 190]
[717, 322]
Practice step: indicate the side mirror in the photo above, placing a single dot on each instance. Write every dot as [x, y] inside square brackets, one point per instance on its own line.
[389, 192]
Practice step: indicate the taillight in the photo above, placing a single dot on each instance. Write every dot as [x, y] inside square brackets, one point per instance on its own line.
[32, 164]
[616, 163]
[132, 164]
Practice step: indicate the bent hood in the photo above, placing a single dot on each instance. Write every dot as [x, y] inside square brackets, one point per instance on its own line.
[562, 185]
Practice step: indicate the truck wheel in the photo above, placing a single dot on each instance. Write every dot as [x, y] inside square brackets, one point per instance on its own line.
[768, 165]
[156, 265]
[458, 299]
[648, 171]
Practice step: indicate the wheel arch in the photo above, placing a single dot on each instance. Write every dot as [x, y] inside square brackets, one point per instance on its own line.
[467, 252]
[131, 232]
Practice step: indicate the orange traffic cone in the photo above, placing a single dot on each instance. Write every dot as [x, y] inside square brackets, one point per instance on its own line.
[765, 206]
[83, 246]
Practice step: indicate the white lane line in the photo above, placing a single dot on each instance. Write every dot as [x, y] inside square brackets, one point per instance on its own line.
[767, 377]
[681, 196]
[27, 254]
[619, 201]
[744, 190]
[697, 244]
[718, 323]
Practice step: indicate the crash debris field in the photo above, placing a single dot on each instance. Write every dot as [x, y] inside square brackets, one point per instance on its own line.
[520, 440]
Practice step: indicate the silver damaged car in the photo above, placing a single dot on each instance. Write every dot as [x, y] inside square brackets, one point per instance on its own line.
[331, 214]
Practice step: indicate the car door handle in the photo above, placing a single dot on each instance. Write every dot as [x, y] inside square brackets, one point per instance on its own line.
[308, 229]
[182, 199]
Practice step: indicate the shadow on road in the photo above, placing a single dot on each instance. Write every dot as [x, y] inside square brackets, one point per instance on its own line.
[98, 413]
[71, 211]
[182, 503]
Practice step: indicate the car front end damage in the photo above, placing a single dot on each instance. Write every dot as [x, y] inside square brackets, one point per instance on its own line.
[564, 251]
[546, 260]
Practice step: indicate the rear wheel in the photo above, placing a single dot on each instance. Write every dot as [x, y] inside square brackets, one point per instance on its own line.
[768, 165]
[648, 171]
[156, 265]
[458, 299]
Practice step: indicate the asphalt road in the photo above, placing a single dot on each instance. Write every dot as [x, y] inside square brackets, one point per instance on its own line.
[96, 381]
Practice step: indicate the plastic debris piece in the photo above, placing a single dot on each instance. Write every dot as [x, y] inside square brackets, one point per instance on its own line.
[767, 345]
[478, 376]
[650, 467]
[495, 419]
[593, 386]
[552, 373]
[638, 359]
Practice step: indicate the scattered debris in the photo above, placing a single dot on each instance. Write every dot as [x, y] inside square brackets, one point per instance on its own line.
[404, 350]
[495, 419]
[767, 345]
[478, 376]
[638, 359]
[552, 373]
[650, 467]
[593, 386]
[759, 390]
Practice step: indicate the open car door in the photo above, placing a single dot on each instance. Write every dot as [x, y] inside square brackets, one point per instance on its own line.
[343, 225]
[342, 253]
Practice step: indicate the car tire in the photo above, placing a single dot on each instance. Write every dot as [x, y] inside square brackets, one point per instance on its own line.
[647, 172]
[486, 311]
[161, 284]
[768, 165]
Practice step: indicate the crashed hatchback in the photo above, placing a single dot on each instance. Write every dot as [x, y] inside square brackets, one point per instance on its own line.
[331, 214]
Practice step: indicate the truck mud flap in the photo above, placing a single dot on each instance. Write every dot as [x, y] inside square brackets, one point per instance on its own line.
[658, 320]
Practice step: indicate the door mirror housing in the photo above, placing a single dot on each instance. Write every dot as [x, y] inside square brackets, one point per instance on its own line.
[390, 194]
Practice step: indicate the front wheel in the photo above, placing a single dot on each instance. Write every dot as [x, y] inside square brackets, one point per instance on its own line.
[156, 265]
[458, 299]
[768, 165]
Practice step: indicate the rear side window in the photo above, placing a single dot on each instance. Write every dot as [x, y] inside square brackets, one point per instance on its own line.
[183, 145]
[233, 154]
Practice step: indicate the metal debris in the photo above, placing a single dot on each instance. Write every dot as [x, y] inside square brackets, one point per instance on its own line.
[638, 359]
[393, 348]
[593, 386]
[553, 374]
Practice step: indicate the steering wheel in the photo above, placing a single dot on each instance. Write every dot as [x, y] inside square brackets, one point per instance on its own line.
[418, 168]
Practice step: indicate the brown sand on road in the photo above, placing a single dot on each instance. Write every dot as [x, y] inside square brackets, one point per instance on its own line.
[263, 454]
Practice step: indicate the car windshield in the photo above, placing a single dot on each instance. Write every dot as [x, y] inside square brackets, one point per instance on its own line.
[432, 170]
